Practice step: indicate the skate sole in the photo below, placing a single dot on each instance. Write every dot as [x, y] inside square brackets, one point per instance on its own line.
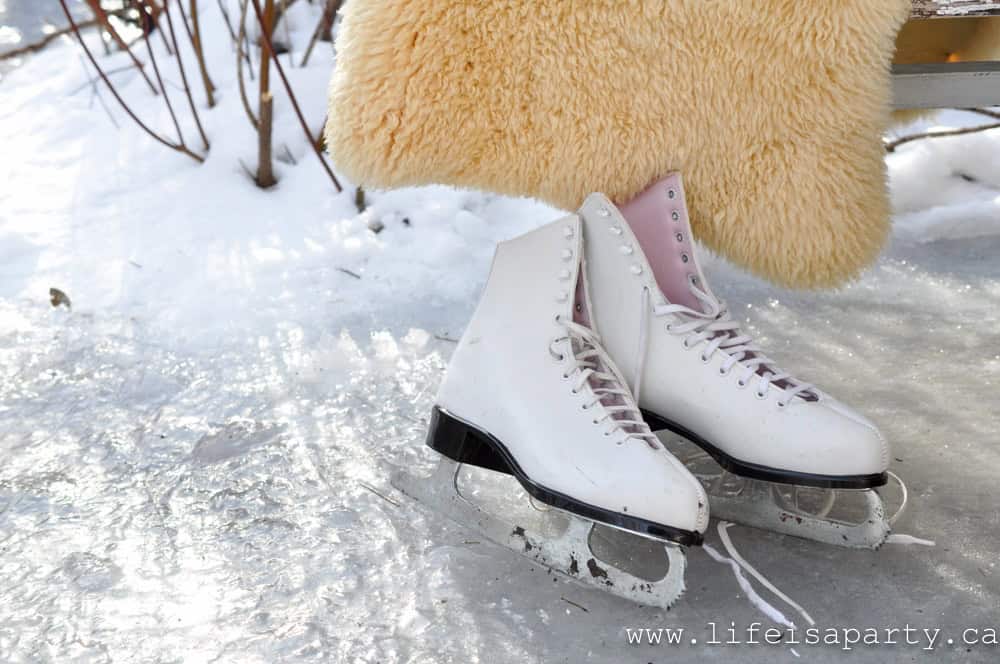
[463, 442]
[766, 473]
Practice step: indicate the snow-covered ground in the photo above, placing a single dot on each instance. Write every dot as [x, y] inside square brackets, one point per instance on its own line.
[196, 455]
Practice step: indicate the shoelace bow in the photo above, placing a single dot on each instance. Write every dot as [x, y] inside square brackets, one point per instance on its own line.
[592, 365]
[716, 327]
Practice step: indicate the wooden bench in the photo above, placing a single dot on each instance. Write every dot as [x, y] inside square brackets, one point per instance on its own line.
[951, 84]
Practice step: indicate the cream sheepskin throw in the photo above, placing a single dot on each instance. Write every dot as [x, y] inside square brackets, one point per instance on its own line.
[772, 109]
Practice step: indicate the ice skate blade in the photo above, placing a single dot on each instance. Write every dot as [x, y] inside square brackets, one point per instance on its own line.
[853, 518]
[560, 541]
[761, 506]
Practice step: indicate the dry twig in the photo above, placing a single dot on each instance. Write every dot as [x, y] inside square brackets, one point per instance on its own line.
[45, 41]
[180, 68]
[114, 92]
[240, 53]
[200, 54]
[95, 91]
[159, 80]
[891, 146]
[265, 168]
[266, 38]
[984, 111]
[228, 21]
[323, 28]
[105, 22]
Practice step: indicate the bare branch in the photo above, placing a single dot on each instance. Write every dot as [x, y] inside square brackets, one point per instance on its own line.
[892, 145]
[984, 111]
[155, 11]
[105, 22]
[240, 53]
[45, 41]
[159, 80]
[109, 72]
[196, 43]
[114, 92]
[265, 167]
[180, 68]
[266, 38]
[282, 8]
[323, 27]
[228, 21]
[92, 83]
[320, 135]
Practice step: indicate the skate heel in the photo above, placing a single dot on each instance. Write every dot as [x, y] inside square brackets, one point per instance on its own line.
[463, 443]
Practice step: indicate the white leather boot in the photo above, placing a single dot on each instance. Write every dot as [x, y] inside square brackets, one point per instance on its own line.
[691, 368]
[530, 391]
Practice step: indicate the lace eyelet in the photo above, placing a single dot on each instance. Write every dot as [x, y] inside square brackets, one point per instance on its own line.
[686, 345]
[669, 327]
[584, 406]
[594, 422]
[705, 360]
[556, 357]
[671, 193]
[684, 258]
[574, 390]
[760, 395]
[741, 383]
[619, 443]
[781, 404]
[675, 215]
[606, 434]
[723, 372]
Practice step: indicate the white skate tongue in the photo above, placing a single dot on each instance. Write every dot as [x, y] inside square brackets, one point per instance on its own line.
[623, 407]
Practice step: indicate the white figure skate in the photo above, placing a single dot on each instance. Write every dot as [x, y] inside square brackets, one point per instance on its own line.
[695, 373]
[530, 392]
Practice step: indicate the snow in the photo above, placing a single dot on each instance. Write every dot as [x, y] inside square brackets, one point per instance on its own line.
[196, 454]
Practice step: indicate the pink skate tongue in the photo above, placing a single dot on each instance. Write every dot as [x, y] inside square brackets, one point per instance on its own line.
[659, 220]
[658, 217]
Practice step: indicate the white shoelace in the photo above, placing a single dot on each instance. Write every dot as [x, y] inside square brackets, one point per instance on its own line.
[716, 327]
[592, 365]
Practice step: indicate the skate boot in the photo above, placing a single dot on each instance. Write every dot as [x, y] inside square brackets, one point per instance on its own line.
[530, 392]
[694, 372]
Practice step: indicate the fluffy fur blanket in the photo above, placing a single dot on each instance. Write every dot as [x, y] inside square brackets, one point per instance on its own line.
[772, 109]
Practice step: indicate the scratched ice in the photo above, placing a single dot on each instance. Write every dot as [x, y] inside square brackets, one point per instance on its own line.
[195, 458]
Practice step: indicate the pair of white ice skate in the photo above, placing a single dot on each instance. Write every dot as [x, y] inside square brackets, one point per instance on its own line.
[594, 331]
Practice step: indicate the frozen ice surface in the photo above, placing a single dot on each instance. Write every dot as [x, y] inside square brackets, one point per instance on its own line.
[196, 455]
